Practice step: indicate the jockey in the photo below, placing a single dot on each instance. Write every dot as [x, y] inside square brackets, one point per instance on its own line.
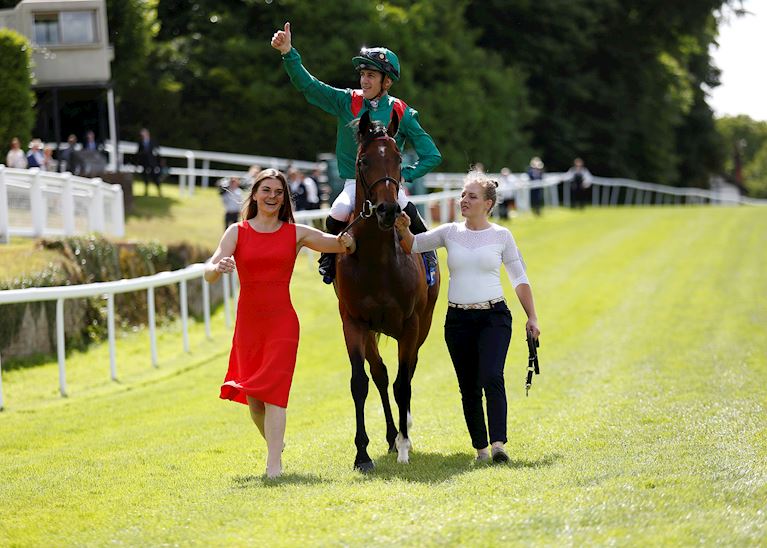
[378, 68]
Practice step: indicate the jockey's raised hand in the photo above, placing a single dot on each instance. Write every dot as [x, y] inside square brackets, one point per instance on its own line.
[281, 40]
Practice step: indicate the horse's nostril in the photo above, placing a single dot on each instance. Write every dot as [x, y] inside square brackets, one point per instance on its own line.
[380, 208]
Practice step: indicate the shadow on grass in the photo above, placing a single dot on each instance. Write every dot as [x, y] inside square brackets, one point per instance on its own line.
[438, 468]
[245, 482]
[150, 207]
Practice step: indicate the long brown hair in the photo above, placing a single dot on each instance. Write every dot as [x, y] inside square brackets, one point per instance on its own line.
[250, 209]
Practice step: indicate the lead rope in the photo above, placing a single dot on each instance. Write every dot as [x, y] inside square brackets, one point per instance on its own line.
[532, 361]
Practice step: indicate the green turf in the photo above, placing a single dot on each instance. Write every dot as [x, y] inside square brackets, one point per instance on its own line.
[647, 425]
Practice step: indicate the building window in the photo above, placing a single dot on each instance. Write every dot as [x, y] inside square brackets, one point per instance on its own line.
[66, 27]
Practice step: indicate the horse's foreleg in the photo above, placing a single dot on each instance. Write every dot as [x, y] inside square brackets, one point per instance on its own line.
[381, 380]
[355, 336]
[408, 352]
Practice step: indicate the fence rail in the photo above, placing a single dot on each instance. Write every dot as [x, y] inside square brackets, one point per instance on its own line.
[108, 290]
[40, 203]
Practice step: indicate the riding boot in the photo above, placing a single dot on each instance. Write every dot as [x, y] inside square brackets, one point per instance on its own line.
[327, 261]
[417, 225]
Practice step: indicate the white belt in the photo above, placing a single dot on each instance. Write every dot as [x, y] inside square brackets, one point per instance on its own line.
[484, 305]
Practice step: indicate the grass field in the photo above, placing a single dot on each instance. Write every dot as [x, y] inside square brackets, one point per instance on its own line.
[647, 425]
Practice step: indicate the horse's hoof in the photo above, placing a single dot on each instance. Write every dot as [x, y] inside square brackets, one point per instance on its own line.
[364, 467]
[392, 449]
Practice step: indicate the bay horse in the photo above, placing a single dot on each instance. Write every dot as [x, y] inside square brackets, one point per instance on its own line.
[381, 289]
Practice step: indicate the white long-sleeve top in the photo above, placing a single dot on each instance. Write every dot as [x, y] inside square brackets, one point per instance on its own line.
[474, 260]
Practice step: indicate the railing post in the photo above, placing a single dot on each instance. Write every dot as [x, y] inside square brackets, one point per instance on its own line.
[190, 182]
[206, 305]
[60, 349]
[2, 404]
[184, 315]
[118, 212]
[36, 204]
[68, 205]
[629, 195]
[152, 336]
[566, 192]
[4, 220]
[205, 167]
[97, 207]
[227, 312]
[111, 335]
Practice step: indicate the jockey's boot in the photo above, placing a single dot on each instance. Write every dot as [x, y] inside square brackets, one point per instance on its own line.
[417, 225]
[327, 261]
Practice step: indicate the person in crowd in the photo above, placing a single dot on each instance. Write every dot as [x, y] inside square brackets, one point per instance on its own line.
[263, 247]
[507, 203]
[298, 189]
[148, 157]
[35, 156]
[580, 180]
[68, 156]
[378, 69]
[49, 164]
[478, 323]
[231, 196]
[16, 157]
[535, 174]
[90, 141]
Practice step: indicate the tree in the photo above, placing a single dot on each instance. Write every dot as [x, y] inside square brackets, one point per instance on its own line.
[16, 97]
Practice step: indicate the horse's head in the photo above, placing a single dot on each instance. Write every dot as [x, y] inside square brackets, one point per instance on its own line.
[378, 169]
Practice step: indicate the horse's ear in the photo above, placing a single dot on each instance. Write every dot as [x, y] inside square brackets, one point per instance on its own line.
[393, 125]
[364, 123]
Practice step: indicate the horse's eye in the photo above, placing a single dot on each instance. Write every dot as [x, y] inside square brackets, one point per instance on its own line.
[363, 161]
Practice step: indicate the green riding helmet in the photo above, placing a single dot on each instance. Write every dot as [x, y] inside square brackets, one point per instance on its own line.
[380, 59]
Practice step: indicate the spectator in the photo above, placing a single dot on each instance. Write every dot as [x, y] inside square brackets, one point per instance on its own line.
[231, 195]
[535, 173]
[507, 202]
[15, 157]
[148, 158]
[580, 180]
[298, 189]
[68, 156]
[90, 141]
[35, 156]
[48, 161]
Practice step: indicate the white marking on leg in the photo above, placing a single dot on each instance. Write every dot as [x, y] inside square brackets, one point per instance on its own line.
[403, 449]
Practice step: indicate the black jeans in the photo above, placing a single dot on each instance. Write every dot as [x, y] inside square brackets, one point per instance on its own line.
[478, 341]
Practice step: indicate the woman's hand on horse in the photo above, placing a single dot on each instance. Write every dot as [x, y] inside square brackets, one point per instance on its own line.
[348, 242]
[282, 40]
[402, 222]
[225, 265]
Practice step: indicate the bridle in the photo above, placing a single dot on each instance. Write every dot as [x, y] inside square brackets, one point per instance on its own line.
[367, 205]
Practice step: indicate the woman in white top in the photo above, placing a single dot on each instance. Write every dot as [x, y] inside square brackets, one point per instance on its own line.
[16, 157]
[478, 323]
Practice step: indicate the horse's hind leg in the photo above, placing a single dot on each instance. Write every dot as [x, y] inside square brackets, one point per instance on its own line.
[355, 336]
[381, 380]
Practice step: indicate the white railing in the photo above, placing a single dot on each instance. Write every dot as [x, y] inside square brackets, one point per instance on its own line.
[605, 191]
[188, 175]
[108, 290]
[40, 203]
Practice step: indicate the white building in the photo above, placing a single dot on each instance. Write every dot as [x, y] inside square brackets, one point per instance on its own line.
[72, 58]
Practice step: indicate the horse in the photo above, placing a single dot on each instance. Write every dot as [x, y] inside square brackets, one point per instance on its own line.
[381, 290]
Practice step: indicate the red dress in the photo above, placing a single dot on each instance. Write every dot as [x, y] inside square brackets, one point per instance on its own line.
[265, 342]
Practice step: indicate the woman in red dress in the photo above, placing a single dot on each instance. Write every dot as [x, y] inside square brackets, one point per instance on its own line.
[264, 248]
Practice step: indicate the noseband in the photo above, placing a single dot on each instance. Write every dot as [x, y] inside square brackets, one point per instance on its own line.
[367, 205]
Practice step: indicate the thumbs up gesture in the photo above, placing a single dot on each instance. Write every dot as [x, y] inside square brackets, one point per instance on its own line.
[281, 40]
